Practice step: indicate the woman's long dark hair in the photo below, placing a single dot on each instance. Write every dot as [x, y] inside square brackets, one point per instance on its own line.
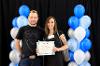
[55, 25]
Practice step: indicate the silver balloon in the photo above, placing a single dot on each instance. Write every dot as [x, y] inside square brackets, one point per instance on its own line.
[21, 43]
[70, 32]
[85, 64]
[72, 44]
[12, 64]
[14, 32]
[72, 64]
[13, 45]
[79, 33]
[87, 56]
[14, 56]
[85, 21]
[22, 21]
[79, 56]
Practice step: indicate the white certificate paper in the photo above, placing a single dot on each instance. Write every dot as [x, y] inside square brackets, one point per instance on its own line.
[45, 48]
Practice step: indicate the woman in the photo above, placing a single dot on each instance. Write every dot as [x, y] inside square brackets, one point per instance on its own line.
[52, 34]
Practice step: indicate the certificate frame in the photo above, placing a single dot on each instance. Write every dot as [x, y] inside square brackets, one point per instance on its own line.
[45, 48]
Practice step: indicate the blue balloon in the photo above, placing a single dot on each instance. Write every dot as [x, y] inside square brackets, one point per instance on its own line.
[73, 22]
[71, 55]
[14, 22]
[24, 10]
[16, 64]
[72, 44]
[87, 33]
[79, 10]
[85, 44]
[22, 21]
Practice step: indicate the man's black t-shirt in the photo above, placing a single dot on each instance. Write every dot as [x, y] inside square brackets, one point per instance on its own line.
[29, 35]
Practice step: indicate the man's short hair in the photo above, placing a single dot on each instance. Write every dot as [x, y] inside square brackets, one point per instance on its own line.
[33, 11]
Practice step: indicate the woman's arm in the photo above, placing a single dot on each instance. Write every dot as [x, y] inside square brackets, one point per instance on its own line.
[64, 41]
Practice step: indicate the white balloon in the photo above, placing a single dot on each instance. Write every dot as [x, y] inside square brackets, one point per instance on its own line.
[14, 56]
[72, 64]
[12, 64]
[14, 32]
[70, 32]
[79, 56]
[87, 56]
[79, 33]
[85, 21]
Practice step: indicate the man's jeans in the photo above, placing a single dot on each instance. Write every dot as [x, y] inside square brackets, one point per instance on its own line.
[30, 62]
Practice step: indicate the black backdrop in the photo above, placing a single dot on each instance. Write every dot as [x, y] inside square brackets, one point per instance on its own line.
[61, 9]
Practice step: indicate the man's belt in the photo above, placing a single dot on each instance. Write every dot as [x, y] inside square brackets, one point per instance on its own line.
[30, 57]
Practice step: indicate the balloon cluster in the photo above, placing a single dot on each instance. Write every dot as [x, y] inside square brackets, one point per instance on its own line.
[79, 43]
[17, 23]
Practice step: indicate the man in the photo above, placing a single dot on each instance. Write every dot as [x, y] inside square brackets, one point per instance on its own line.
[29, 35]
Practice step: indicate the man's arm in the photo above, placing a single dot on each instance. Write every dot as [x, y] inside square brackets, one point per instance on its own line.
[18, 47]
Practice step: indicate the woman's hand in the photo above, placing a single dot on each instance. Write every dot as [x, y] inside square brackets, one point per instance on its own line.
[55, 49]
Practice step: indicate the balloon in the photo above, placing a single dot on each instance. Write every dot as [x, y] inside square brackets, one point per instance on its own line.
[24, 10]
[85, 44]
[72, 44]
[73, 22]
[85, 21]
[13, 32]
[87, 56]
[71, 55]
[20, 43]
[79, 33]
[87, 33]
[16, 64]
[79, 10]
[70, 32]
[14, 22]
[22, 21]
[13, 46]
[85, 64]
[14, 56]
[72, 64]
[12, 64]
[79, 56]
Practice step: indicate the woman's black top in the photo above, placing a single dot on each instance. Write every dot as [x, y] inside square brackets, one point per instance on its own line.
[57, 59]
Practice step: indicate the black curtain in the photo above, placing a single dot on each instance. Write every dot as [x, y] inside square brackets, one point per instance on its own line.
[0, 35]
[60, 9]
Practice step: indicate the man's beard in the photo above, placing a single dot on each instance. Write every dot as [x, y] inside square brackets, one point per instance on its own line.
[32, 24]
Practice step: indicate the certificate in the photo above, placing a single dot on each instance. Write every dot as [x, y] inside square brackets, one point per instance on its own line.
[45, 48]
